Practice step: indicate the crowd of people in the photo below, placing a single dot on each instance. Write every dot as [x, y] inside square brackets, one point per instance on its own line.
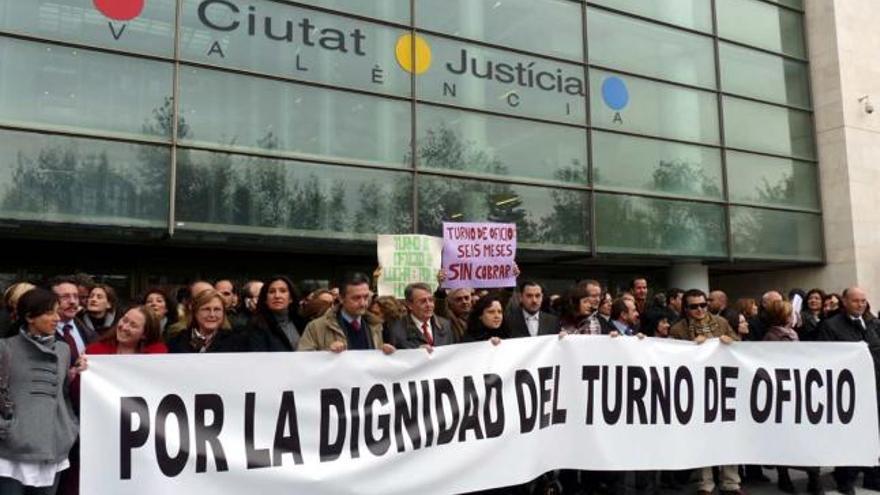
[49, 330]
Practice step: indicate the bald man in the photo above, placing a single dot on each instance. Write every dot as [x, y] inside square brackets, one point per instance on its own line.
[758, 324]
[717, 302]
[852, 326]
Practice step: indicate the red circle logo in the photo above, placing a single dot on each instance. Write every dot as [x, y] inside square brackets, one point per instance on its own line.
[120, 10]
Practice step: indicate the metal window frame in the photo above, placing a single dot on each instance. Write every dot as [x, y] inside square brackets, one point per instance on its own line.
[180, 63]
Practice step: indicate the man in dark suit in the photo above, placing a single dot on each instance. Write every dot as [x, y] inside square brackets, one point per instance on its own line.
[72, 331]
[850, 325]
[70, 328]
[421, 327]
[528, 320]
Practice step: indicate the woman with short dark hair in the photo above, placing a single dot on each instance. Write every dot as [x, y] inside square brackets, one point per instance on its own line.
[811, 315]
[576, 312]
[100, 310]
[38, 426]
[603, 313]
[655, 323]
[162, 305]
[830, 305]
[486, 321]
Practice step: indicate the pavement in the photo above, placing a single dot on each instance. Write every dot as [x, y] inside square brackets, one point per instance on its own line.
[799, 478]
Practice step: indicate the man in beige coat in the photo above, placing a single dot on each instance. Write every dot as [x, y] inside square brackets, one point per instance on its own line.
[347, 325]
[698, 325]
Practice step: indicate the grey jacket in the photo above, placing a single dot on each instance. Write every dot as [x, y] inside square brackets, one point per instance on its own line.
[43, 427]
[406, 335]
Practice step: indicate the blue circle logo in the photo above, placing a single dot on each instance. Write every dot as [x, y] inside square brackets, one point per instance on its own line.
[614, 93]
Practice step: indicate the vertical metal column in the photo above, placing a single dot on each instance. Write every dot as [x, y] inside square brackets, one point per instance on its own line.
[175, 109]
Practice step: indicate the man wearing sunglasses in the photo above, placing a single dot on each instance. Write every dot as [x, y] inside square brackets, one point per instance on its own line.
[698, 325]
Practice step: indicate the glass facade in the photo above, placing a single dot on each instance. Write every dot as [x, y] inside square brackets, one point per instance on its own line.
[670, 128]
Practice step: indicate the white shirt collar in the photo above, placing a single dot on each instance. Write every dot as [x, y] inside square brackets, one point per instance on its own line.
[419, 323]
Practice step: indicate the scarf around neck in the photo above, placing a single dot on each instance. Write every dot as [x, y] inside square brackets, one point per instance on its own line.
[708, 326]
[45, 340]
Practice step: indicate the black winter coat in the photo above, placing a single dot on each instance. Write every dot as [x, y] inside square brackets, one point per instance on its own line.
[224, 341]
[265, 335]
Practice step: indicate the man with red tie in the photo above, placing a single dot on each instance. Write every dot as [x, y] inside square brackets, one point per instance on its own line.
[70, 329]
[347, 325]
[421, 327]
[77, 336]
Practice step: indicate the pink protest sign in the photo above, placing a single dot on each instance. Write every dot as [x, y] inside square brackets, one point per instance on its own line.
[479, 255]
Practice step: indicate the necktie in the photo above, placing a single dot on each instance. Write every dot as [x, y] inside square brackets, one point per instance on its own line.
[71, 342]
[428, 338]
[356, 325]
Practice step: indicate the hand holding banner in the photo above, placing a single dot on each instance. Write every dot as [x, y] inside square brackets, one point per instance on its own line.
[479, 255]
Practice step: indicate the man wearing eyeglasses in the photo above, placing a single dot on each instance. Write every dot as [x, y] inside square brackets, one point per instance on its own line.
[455, 306]
[70, 328]
[699, 325]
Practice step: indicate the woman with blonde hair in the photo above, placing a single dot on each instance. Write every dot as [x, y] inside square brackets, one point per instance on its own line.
[388, 309]
[208, 329]
[779, 318]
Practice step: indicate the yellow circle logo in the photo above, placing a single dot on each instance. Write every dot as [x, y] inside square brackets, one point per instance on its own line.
[414, 64]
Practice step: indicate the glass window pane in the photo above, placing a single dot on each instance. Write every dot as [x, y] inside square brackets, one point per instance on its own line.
[638, 164]
[514, 23]
[506, 147]
[754, 126]
[645, 107]
[694, 14]
[234, 193]
[630, 224]
[760, 24]
[545, 218]
[70, 89]
[632, 45]
[764, 76]
[502, 81]
[772, 234]
[150, 30]
[387, 10]
[246, 112]
[772, 181]
[294, 42]
[86, 181]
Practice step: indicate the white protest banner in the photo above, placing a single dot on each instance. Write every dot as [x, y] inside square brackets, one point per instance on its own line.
[479, 255]
[413, 422]
[406, 259]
